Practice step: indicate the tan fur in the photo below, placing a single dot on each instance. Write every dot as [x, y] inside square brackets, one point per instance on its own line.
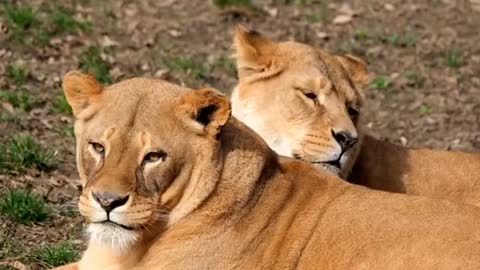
[221, 199]
[267, 105]
[272, 97]
[439, 174]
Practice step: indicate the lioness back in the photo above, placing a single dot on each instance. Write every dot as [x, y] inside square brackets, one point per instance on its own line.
[171, 181]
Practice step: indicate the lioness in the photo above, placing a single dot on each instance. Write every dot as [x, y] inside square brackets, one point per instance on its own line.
[305, 103]
[171, 181]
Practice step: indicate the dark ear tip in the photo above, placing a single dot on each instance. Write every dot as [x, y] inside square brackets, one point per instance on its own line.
[243, 30]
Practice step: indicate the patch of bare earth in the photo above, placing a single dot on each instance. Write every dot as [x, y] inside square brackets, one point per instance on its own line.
[424, 55]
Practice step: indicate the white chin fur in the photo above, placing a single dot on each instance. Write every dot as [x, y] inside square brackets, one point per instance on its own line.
[112, 236]
[329, 168]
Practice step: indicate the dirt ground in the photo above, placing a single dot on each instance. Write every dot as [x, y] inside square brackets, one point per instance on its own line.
[424, 57]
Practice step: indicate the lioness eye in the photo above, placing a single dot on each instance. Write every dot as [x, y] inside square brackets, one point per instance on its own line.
[155, 156]
[352, 111]
[97, 147]
[311, 95]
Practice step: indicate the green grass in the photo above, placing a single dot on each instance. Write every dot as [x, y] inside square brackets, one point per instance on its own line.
[19, 18]
[453, 58]
[64, 22]
[18, 99]
[187, 66]
[57, 255]
[425, 109]
[380, 83]
[66, 131]
[403, 40]
[91, 62]
[415, 79]
[22, 206]
[61, 105]
[13, 118]
[361, 35]
[235, 3]
[322, 14]
[22, 152]
[297, 2]
[16, 73]
[226, 64]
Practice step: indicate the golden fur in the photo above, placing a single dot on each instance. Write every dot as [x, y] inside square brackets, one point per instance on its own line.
[267, 101]
[196, 189]
[297, 98]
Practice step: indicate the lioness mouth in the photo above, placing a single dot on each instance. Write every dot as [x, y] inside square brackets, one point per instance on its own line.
[111, 223]
[334, 163]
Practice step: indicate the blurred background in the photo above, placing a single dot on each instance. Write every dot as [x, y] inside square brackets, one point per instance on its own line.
[424, 57]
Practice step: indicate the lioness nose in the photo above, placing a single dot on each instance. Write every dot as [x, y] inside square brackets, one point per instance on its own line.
[109, 200]
[344, 139]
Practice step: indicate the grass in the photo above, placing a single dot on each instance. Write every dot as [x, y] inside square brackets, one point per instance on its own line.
[187, 66]
[57, 255]
[453, 58]
[18, 99]
[403, 40]
[19, 18]
[22, 206]
[61, 105]
[415, 79]
[37, 27]
[321, 15]
[297, 2]
[425, 109]
[64, 22]
[22, 152]
[361, 35]
[380, 83]
[16, 73]
[229, 3]
[91, 62]
[66, 131]
[13, 118]
[226, 64]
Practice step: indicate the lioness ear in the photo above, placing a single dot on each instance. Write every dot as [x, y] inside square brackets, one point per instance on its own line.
[252, 51]
[355, 68]
[205, 110]
[80, 90]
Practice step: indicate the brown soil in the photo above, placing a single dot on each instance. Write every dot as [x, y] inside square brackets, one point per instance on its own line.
[428, 102]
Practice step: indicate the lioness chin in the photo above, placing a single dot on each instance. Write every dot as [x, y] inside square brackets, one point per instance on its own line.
[305, 103]
[171, 181]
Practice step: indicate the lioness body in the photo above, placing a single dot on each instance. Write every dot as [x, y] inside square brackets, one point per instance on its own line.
[440, 174]
[170, 182]
[266, 99]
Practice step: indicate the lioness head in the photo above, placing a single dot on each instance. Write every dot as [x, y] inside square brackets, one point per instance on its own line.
[142, 145]
[302, 100]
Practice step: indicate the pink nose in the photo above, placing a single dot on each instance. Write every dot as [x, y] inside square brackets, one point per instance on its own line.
[109, 200]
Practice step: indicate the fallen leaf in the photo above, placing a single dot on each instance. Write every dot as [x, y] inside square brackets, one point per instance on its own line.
[161, 73]
[322, 35]
[342, 19]
[8, 107]
[108, 42]
[389, 7]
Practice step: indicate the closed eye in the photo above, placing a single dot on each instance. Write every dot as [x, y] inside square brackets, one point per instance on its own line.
[311, 95]
[98, 148]
[152, 157]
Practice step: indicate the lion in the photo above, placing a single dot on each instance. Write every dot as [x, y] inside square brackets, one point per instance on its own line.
[306, 102]
[172, 181]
